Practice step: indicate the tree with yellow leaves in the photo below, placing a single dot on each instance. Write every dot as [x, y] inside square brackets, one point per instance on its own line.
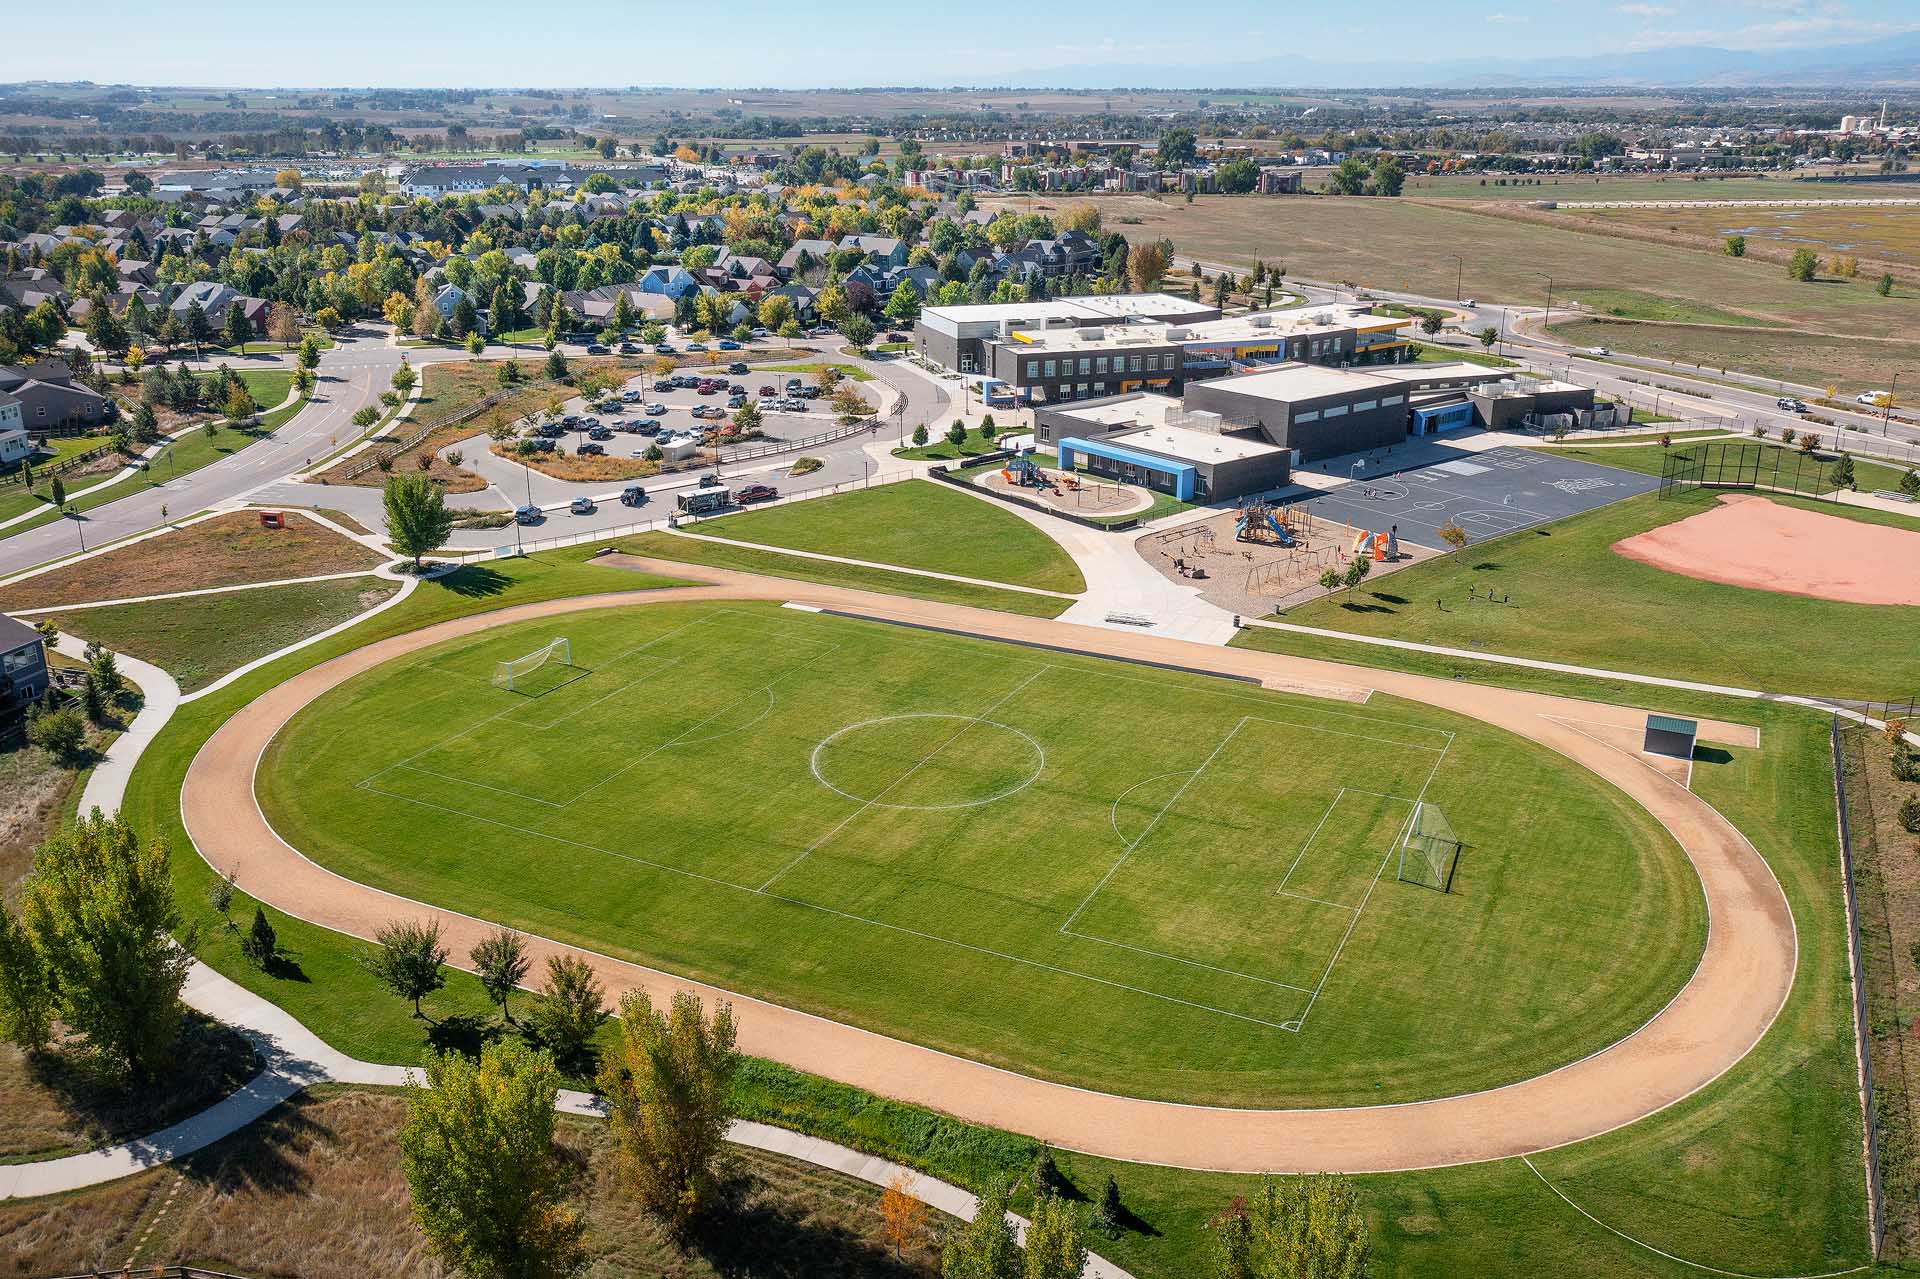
[903, 1218]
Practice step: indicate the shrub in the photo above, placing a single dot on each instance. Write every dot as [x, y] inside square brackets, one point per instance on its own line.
[1910, 814]
[60, 731]
[260, 944]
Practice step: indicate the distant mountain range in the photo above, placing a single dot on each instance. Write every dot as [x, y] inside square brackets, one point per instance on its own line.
[1892, 62]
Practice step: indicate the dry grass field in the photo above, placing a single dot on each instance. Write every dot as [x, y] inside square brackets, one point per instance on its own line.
[1889, 232]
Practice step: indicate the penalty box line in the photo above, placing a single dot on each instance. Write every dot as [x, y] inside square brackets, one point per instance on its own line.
[477, 725]
[1353, 923]
[716, 882]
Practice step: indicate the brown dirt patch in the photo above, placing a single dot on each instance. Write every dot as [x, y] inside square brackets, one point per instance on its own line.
[33, 791]
[1255, 578]
[228, 550]
[568, 466]
[1749, 541]
[315, 1190]
[1091, 497]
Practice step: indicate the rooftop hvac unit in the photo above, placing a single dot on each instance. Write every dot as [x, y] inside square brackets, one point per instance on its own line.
[1262, 321]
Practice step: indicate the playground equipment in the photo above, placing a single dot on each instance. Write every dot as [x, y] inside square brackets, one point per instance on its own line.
[1382, 546]
[1020, 472]
[1257, 524]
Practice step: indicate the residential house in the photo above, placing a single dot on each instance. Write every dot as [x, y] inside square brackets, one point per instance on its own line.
[802, 255]
[23, 670]
[215, 300]
[882, 249]
[675, 282]
[15, 446]
[50, 400]
[448, 300]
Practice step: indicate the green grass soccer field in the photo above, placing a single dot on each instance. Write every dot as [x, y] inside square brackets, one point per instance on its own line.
[1134, 879]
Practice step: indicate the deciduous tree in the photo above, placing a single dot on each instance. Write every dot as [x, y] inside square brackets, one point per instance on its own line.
[99, 907]
[500, 961]
[408, 957]
[569, 1010]
[984, 1248]
[668, 1081]
[418, 522]
[489, 1190]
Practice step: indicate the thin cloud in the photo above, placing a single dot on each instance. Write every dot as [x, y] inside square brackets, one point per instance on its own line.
[1646, 11]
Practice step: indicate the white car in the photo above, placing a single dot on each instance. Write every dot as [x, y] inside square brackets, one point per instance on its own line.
[1599, 350]
[1869, 398]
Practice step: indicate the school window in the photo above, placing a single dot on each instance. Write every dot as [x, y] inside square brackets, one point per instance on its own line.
[1033, 368]
[1099, 388]
[1387, 400]
[1311, 415]
[1136, 364]
[1364, 405]
[1100, 365]
[1050, 372]
[1338, 410]
[1085, 366]
[1081, 393]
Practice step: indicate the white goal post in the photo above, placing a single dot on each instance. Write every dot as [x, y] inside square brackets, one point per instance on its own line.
[509, 674]
[1429, 850]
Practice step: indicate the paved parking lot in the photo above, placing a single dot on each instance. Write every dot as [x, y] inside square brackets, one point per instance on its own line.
[1486, 494]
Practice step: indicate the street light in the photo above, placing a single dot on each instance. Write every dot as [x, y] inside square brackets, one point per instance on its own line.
[1886, 409]
[1548, 319]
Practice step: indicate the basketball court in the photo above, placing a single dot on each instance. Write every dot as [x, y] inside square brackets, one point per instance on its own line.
[1499, 491]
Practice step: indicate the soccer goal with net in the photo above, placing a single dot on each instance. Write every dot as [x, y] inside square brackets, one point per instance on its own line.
[514, 673]
[1429, 849]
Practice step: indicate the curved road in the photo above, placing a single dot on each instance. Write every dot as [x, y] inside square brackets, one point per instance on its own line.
[1738, 988]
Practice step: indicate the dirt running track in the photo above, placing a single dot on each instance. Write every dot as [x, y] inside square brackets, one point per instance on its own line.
[1740, 984]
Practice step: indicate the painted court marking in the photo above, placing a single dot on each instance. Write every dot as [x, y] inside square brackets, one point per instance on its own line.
[685, 738]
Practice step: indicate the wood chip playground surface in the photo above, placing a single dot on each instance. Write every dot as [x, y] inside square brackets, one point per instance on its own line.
[1747, 540]
[1725, 1001]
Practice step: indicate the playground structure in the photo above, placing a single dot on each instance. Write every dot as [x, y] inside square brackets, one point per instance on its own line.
[1062, 490]
[1381, 546]
[1260, 521]
[1020, 472]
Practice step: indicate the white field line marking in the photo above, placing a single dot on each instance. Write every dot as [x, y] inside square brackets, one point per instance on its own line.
[1315, 834]
[717, 882]
[1368, 895]
[1040, 755]
[1113, 813]
[462, 781]
[643, 677]
[1694, 1265]
[1194, 963]
[970, 722]
[1112, 870]
[459, 733]
[1263, 698]
[681, 737]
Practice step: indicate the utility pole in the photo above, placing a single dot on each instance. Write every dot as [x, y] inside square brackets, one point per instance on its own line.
[1886, 410]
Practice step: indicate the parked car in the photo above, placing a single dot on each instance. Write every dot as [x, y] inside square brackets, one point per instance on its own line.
[653, 408]
[581, 506]
[1790, 404]
[663, 348]
[632, 495]
[755, 493]
[546, 446]
[599, 433]
[628, 348]
[759, 332]
[767, 392]
[597, 348]
[662, 385]
[527, 515]
[793, 384]
[737, 368]
[809, 392]
[570, 419]
[629, 395]
[735, 401]
[647, 426]
[696, 346]
[590, 450]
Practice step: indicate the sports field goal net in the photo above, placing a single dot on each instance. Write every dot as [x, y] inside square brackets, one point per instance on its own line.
[1429, 849]
[514, 673]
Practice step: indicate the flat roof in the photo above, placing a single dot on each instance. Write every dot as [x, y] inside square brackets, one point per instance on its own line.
[1296, 381]
[1292, 322]
[1195, 446]
[1440, 372]
[1117, 306]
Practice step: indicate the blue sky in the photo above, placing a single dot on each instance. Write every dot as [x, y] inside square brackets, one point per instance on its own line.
[436, 43]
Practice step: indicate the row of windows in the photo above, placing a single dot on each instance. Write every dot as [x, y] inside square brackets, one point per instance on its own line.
[1099, 364]
[1341, 410]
